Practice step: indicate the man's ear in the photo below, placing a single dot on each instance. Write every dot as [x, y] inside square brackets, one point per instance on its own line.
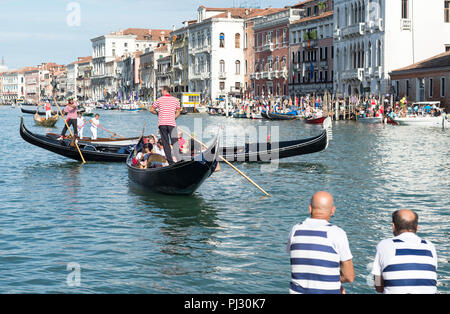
[333, 210]
[310, 209]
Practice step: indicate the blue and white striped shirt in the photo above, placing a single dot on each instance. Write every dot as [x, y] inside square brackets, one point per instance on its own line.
[407, 264]
[316, 249]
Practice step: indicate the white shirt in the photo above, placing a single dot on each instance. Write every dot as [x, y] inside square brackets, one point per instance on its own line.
[159, 151]
[95, 123]
[386, 255]
[336, 235]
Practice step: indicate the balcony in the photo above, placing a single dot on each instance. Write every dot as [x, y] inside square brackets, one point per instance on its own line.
[354, 30]
[405, 24]
[309, 44]
[268, 46]
[337, 34]
[355, 75]
[222, 75]
[178, 66]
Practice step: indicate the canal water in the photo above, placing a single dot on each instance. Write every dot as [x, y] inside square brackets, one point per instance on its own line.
[72, 228]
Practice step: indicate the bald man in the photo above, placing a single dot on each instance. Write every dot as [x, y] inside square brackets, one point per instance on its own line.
[320, 253]
[405, 263]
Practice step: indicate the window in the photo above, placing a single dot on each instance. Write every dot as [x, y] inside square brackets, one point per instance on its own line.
[222, 40]
[442, 86]
[447, 11]
[222, 85]
[237, 40]
[407, 88]
[430, 86]
[222, 66]
[238, 67]
[404, 9]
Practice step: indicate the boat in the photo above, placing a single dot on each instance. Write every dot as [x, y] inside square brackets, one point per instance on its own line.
[91, 152]
[49, 123]
[371, 120]
[181, 178]
[424, 121]
[122, 141]
[29, 111]
[279, 116]
[108, 150]
[315, 120]
[258, 152]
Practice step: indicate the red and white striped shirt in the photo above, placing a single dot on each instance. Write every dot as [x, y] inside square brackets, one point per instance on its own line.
[167, 105]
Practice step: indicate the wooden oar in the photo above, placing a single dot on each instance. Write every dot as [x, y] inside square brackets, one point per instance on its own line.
[70, 131]
[229, 164]
[113, 133]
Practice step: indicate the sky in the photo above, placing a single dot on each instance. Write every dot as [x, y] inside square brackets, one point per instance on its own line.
[33, 32]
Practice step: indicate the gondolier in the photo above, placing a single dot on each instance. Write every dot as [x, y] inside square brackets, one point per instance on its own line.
[168, 111]
[71, 111]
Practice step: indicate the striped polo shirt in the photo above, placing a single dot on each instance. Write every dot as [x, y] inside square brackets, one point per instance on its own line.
[407, 264]
[316, 249]
[167, 105]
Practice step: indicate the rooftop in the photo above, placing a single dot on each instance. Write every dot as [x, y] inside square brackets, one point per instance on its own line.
[438, 61]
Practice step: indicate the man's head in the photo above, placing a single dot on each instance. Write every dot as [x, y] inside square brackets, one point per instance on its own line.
[322, 206]
[165, 90]
[404, 220]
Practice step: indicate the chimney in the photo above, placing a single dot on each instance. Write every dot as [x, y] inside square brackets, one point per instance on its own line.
[229, 14]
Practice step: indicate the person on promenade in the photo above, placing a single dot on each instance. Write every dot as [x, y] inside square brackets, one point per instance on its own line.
[405, 263]
[320, 254]
[168, 111]
[71, 111]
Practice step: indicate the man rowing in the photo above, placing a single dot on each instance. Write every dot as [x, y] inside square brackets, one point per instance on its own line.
[168, 110]
[71, 111]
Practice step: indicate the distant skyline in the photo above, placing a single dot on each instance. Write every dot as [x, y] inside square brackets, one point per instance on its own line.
[33, 32]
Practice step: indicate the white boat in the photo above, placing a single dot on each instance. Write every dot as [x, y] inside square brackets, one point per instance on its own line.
[371, 120]
[424, 121]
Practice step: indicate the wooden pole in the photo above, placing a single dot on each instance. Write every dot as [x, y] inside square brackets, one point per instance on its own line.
[75, 140]
[229, 164]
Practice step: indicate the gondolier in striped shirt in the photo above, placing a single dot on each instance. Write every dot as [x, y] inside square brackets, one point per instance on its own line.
[168, 109]
[320, 253]
[405, 264]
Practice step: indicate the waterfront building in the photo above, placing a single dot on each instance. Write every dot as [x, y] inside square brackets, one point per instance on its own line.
[60, 84]
[107, 48]
[163, 73]
[311, 50]
[46, 71]
[148, 68]
[83, 80]
[216, 55]
[427, 80]
[128, 78]
[73, 76]
[13, 86]
[180, 58]
[271, 41]
[249, 47]
[372, 38]
[32, 85]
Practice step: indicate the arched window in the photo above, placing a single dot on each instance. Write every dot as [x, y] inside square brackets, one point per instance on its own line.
[238, 67]
[222, 66]
[222, 40]
[237, 40]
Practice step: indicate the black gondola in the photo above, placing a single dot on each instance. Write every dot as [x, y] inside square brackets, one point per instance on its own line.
[91, 152]
[182, 178]
[273, 151]
[279, 116]
[248, 153]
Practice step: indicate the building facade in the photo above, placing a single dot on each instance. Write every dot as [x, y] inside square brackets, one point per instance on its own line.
[312, 54]
[427, 80]
[271, 40]
[372, 38]
[107, 48]
[32, 85]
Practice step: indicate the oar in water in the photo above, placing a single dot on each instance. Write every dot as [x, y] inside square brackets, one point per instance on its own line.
[74, 138]
[229, 164]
